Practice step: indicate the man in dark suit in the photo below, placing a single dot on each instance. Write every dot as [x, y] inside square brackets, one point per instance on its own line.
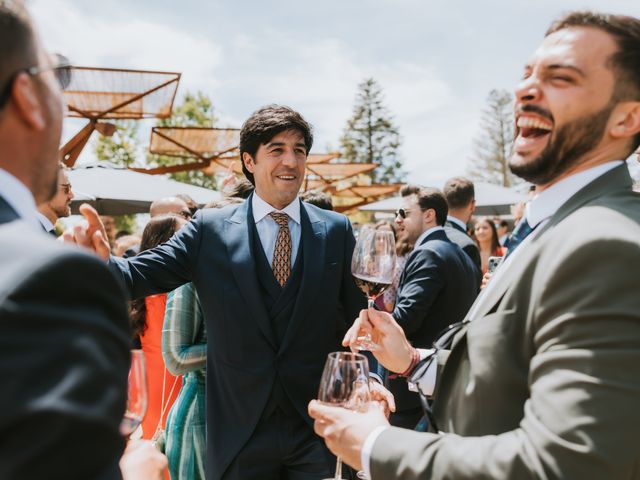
[541, 380]
[64, 341]
[273, 275]
[437, 286]
[461, 199]
[57, 207]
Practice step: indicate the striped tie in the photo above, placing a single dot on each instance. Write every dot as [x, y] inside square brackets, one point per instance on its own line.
[523, 229]
[281, 264]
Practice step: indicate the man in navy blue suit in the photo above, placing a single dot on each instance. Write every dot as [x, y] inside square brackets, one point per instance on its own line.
[438, 284]
[273, 276]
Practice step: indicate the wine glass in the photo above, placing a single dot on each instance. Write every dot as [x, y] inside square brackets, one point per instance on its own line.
[345, 383]
[373, 265]
[136, 395]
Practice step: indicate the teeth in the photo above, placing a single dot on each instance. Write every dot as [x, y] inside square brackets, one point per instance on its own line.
[528, 122]
[286, 177]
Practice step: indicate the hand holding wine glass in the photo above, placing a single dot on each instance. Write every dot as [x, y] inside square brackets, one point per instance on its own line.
[373, 266]
[345, 383]
[136, 396]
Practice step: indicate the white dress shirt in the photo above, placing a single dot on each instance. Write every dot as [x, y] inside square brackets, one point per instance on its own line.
[268, 228]
[45, 222]
[19, 197]
[538, 211]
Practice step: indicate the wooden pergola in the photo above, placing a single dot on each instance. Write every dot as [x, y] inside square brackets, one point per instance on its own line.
[102, 94]
[216, 151]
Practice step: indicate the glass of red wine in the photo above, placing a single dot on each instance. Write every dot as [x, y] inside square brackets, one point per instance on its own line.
[136, 396]
[345, 383]
[373, 265]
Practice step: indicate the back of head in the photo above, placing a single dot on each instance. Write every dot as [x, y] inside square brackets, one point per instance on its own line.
[428, 198]
[459, 192]
[18, 48]
[169, 205]
[625, 63]
[241, 188]
[264, 124]
[159, 230]
[319, 199]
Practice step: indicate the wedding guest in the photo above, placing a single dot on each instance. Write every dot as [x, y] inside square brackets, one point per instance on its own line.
[147, 317]
[488, 242]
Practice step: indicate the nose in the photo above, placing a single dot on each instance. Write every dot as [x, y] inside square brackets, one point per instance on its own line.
[289, 158]
[528, 90]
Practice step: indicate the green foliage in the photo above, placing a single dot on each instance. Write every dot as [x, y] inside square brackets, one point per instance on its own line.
[126, 223]
[196, 110]
[121, 148]
[370, 135]
[492, 147]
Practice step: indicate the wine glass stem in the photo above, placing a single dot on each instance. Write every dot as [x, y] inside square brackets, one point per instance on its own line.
[338, 475]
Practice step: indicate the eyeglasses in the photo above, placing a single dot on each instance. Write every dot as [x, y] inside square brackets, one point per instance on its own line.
[185, 214]
[402, 212]
[60, 67]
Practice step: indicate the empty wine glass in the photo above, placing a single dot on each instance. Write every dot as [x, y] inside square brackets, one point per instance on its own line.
[373, 265]
[345, 383]
[136, 395]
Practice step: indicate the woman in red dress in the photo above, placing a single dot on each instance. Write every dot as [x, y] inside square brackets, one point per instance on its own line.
[147, 317]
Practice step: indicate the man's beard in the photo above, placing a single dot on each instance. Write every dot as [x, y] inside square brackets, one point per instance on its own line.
[564, 151]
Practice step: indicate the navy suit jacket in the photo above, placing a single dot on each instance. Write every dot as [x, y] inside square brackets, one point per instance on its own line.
[460, 237]
[437, 286]
[244, 359]
[64, 358]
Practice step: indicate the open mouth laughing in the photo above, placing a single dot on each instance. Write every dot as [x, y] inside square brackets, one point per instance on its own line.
[533, 133]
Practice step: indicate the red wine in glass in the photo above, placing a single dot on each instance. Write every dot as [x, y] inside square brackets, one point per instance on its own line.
[373, 265]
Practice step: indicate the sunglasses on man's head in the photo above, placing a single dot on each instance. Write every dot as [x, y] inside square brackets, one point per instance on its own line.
[402, 212]
[61, 69]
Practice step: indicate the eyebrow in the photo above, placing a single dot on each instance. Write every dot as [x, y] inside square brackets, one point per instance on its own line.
[560, 66]
[282, 144]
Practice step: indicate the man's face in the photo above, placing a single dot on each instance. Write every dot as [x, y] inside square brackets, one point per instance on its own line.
[59, 204]
[278, 168]
[563, 104]
[412, 226]
[53, 106]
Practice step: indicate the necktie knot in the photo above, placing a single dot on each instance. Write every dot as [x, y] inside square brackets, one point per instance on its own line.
[282, 219]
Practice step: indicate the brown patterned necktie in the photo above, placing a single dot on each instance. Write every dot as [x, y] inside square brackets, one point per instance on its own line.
[282, 253]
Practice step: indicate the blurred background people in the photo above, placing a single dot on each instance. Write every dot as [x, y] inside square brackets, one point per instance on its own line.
[319, 199]
[488, 243]
[170, 205]
[147, 317]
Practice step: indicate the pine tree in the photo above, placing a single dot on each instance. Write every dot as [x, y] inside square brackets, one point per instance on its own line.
[370, 135]
[492, 147]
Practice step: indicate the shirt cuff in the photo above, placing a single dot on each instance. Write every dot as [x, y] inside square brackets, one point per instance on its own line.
[367, 448]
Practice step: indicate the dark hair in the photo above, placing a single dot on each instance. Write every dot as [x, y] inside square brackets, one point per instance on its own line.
[428, 198]
[319, 199]
[241, 189]
[625, 63]
[224, 202]
[495, 241]
[459, 192]
[266, 123]
[17, 45]
[157, 231]
[504, 223]
[191, 203]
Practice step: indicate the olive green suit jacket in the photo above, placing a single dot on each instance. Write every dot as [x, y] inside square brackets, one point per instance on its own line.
[544, 383]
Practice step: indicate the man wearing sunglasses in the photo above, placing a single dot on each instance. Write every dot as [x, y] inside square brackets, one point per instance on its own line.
[64, 331]
[59, 206]
[541, 381]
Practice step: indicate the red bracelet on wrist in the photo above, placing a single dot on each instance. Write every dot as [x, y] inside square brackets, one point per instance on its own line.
[415, 359]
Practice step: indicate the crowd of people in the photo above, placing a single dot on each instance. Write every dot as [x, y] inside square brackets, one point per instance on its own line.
[497, 354]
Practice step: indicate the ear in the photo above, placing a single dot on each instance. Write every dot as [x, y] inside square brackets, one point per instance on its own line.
[248, 161]
[429, 216]
[27, 102]
[626, 120]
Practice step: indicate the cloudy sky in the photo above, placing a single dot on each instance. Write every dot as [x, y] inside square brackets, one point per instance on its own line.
[436, 60]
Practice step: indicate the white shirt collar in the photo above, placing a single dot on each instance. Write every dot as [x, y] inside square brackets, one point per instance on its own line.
[261, 209]
[426, 233]
[547, 202]
[457, 221]
[19, 197]
[46, 223]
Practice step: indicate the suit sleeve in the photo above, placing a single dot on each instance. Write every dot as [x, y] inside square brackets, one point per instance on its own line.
[163, 268]
[581, 419]
[421, 285]
[64, 364]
